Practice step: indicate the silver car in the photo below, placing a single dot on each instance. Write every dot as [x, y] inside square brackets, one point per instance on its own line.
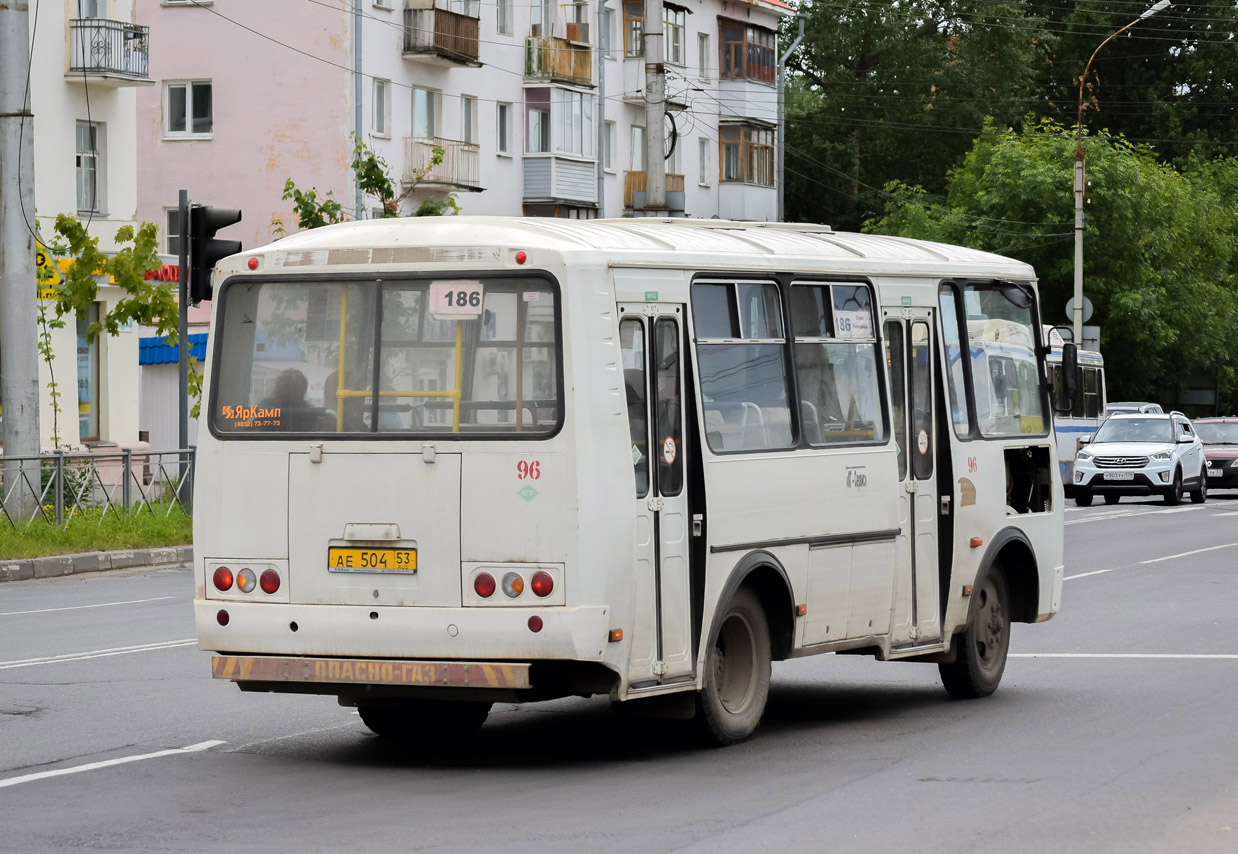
[1142, 454]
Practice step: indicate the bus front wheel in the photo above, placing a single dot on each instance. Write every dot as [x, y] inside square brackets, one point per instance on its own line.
[977, 669]
[737, 670]
[427, 721]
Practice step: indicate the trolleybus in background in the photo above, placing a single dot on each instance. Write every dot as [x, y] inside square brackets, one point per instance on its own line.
[1087, 408]
[506, 460]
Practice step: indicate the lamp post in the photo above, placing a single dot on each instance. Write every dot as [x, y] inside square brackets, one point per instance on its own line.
[1079, 182]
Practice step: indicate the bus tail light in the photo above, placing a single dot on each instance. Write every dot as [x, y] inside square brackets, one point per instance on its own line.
[542, 584]
[245, 580]
[269, 581]
[222, 617]
[483, 585]
[535, 624]
[222, 578]
[513, 584]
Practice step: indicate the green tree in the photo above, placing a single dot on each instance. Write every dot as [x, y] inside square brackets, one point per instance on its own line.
[373, 176]
[1159, 260]
[880, 91]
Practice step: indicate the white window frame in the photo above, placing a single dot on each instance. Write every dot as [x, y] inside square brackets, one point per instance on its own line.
[608, 153]
[703, 145]
[674, 34]
[468, 119]
[503, 17]
[704, 55]
[608, 33]
[381, 111]
[384, 4]
[171, 231]
[91, 162]
[636, 153]
[503, 128]
[188, 86]
[91, 9]
[434, 99]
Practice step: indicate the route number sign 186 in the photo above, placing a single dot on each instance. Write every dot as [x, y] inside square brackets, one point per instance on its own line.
[458, 299]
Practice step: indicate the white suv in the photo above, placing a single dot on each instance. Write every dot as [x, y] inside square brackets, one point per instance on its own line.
[1142, 454]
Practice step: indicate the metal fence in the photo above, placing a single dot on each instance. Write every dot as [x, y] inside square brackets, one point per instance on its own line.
[63, 485]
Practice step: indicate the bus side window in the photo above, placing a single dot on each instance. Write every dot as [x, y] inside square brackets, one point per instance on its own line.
[955, 380]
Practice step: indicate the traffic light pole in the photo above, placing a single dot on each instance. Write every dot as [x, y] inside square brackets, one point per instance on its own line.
[182, 281]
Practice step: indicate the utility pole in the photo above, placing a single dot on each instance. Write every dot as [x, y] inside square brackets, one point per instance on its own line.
[19, 355]
[655, 110]
[358, 92]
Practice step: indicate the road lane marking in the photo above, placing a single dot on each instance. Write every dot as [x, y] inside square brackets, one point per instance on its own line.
[1100, 517]
[98, 653]
[1174, 655]
[1086, 574]
[80, 607]
[1219, 515]
[1188, 554]
[60, 772]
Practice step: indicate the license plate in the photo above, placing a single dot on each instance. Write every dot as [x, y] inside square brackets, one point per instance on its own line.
[1214, 472]
[353, 559]
[1119, 475]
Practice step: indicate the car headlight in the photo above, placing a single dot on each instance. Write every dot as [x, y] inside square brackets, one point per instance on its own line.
[1083, 455]
[1163, 455]
[1234, 464]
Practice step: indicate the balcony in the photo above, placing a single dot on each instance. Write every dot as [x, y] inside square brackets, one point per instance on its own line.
[560, 179]
[113, 53]
[560, 60]
[634, 191]
[440, 36]
[460, 168]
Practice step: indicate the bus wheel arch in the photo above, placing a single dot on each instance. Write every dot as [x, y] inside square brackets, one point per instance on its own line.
[1011, 554]
[765, 575]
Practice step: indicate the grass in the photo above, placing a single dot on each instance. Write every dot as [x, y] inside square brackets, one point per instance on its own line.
[86, 533]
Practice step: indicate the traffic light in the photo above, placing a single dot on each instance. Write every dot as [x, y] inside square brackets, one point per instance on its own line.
[205, 251]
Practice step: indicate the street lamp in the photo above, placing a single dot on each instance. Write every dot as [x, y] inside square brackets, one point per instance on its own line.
[1078, 302]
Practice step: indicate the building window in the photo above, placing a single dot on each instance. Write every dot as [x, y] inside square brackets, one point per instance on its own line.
[633, 27]
[89, 167]
[560, 121]
[608, 33]
[504, 129]
[537, 121]
[674, 22]
[383, 4]
[703, 54]
[188, 109]
[541, 17]
[92, 8]
[425, 113]
[382, 107]
[172, 233]
[747, 155]
[637, 153]
[608, 147]
[703, 147]
[87, 376]
[503, 17]
[747, 52]
[468, 119]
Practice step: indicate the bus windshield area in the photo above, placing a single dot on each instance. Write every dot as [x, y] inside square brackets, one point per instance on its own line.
[450, 357]
[1159, 430]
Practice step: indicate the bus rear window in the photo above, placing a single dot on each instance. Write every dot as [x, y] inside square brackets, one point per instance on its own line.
[448, 357]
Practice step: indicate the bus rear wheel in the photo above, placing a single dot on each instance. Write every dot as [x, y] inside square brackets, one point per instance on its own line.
[737, 670]
[983, 645]
[427, 721]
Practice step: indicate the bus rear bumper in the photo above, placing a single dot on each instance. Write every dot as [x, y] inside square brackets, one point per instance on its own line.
[345, 671]
[452, 635]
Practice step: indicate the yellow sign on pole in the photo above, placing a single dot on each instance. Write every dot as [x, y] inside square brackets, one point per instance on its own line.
[48, 273]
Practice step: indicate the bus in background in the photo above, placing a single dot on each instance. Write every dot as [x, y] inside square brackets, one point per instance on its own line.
[1087, 410]
[464, 460]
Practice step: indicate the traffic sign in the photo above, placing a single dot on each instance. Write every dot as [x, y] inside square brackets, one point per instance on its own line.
[1070, 309]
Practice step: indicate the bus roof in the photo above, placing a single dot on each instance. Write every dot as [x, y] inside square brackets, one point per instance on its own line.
[675, 242]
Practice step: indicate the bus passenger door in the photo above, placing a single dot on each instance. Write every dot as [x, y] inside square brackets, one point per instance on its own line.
[909, 348]
[651, 337]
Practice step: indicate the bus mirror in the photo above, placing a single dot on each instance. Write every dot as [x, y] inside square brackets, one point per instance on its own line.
[1069, 391]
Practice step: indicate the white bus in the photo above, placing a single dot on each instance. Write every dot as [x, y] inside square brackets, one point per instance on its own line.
[1087, 409]
[518, 459]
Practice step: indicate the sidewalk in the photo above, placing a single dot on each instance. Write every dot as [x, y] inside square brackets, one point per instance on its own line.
[50, 567]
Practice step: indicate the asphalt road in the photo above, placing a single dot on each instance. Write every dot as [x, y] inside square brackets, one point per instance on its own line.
[1115, 730]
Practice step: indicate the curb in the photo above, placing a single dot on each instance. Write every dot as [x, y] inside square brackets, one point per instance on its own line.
[57, 565]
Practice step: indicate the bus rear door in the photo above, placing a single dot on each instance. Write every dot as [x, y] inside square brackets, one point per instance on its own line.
[652, 337]
[909, 349]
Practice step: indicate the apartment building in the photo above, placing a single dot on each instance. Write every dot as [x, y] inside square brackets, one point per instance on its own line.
[537, 107]
[88, 59]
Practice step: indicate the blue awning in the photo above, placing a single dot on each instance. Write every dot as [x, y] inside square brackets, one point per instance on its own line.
[157, 351]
